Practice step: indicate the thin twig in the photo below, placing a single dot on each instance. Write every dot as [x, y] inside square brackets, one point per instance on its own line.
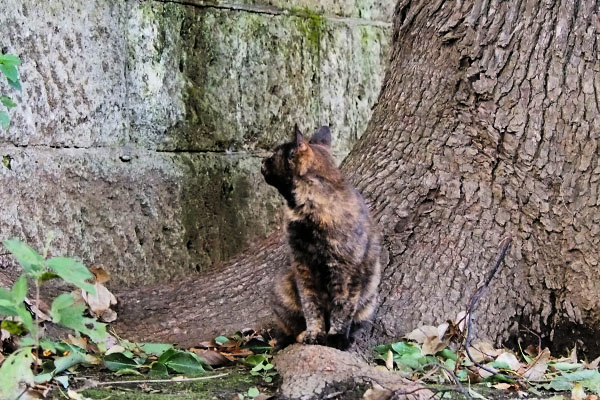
[27, 387]
[427, 375]
[37, 323]
[200, 378]
[505, 245]
[536, 335]
[459, 386]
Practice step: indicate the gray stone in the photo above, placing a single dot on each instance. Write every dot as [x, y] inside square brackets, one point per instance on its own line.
[140, 126]
[239, 80]
[73, 72]
[153, 217]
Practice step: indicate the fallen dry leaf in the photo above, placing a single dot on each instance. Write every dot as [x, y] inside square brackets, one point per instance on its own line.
[433, 338]
[536, 370]
[442, 329]
[77, 341]
[115, 349]
[101, 275]
[461, 321]
[421, 334]
[572, 357]
[593, 365]
[433, 344]
[101, 301]
[502, 386]
[37, 311]
[510, 359]
[377, 392]
[109, 315]
[238, 352]
[212, 358]
[483, 351]
[532, 350]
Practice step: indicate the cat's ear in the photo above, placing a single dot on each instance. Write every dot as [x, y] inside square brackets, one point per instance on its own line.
[322, 136]
[299, 141]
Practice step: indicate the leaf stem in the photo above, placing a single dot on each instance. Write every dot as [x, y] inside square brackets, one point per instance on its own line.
[37, 322]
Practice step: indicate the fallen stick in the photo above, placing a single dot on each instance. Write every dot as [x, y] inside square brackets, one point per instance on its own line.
[200, 378]
[92, 384]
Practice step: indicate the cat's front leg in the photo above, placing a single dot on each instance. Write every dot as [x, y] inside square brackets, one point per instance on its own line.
[311, 307]
[345, 295]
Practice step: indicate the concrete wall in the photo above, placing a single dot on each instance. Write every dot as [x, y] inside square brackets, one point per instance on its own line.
[141, 124]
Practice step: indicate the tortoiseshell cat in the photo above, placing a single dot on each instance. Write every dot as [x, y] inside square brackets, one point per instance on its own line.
[330, 287]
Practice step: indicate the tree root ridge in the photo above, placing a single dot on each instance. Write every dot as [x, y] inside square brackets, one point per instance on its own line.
[317, 372]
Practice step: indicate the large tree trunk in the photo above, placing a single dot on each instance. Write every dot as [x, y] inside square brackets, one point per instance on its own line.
[487, 126]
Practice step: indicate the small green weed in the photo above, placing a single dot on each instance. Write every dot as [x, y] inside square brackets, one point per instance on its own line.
[8, 66]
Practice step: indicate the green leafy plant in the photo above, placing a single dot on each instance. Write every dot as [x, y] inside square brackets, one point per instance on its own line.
[39, 360]
[261, 366]
[428, 355]
[252, 393]
[8, 66]
[64, 311]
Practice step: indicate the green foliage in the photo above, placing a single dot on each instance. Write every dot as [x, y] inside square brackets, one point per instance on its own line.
[261, 366]
[406, 356]
[72, 271]
[184, 363]
[8, 67]
[29, 259]
[119, 361]
[155, 349]
[556, 375]
[15, 373]
[64, 311]
[88, 346]
[250, 394]
[143, 357]
[221, 340]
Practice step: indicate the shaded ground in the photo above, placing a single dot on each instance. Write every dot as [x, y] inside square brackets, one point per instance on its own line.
[238, 380]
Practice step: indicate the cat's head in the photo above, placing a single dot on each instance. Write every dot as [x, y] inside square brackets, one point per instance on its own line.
[297, 158]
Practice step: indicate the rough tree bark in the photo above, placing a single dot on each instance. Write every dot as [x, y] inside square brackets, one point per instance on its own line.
[487, 126]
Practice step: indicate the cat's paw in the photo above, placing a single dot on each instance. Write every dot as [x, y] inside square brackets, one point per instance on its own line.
[311, 337]
[339, 341]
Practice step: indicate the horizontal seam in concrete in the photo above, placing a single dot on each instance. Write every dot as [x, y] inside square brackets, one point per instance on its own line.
[276, 11]
[6, 149]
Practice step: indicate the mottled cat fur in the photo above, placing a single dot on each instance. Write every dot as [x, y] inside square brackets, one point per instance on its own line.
[330, 287]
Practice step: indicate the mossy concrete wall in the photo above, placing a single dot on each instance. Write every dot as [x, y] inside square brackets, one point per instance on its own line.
[141, 124]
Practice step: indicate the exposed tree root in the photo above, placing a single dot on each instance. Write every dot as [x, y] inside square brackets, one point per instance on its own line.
[318, 372]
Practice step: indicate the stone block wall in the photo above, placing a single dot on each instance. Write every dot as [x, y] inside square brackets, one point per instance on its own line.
[141, 124]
